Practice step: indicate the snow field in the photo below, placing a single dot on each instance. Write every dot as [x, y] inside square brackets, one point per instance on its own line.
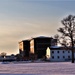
[51, 68]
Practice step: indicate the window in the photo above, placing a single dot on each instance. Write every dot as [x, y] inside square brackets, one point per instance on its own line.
[68, 51]
[63, 51]
[57, 51]
[52, 57]
[63, 56]
[68, 57]
[52, 51]
[58, 57]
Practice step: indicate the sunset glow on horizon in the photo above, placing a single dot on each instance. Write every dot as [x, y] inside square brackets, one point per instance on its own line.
[23, 19]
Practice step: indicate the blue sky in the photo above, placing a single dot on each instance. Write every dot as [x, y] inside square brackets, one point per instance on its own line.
[23, 19]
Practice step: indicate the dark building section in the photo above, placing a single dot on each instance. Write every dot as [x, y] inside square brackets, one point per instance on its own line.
[24, 48]
[54, 42]
[36, 47]
[39, 45]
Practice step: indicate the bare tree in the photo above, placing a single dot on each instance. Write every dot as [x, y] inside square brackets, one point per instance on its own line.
[68, 33]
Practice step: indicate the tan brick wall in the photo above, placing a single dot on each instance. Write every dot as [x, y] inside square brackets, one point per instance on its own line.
[32, 46]
[21, 46]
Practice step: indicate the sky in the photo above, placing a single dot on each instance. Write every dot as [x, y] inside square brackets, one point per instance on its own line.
[23, 19]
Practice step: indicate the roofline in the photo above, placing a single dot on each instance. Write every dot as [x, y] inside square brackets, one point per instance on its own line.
[41, 37]
[23, 41]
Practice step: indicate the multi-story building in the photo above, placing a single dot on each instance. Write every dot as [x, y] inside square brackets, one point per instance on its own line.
[24, 48]
[56, 53]
[38, 45]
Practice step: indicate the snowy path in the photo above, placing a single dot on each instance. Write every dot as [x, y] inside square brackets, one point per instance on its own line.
[58, 68]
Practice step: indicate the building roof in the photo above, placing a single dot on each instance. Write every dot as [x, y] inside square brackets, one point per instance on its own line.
[56, 47]
[60, 48]
[41, 37]
[24, 40]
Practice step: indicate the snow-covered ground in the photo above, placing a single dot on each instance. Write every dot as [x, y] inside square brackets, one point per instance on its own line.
[51, 68]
